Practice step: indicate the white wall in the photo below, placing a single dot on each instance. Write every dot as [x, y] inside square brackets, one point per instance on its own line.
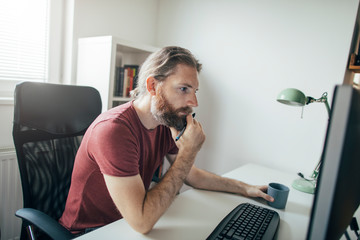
[133, 20]
[250, 51]
[6, 113]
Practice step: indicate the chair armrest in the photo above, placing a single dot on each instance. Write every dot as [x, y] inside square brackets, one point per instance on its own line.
[45, 223]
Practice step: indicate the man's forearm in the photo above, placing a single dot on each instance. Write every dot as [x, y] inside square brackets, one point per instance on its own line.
[159, 198]
[202, 179]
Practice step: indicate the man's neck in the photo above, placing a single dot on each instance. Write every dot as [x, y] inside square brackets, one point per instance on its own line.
[142, 107]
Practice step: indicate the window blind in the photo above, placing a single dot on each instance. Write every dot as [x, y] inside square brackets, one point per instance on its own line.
[24, 30]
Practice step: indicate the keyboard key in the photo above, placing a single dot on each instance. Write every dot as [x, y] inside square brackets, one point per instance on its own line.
[247, 221]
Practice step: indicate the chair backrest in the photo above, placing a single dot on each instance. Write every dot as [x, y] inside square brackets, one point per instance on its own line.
[49, 122]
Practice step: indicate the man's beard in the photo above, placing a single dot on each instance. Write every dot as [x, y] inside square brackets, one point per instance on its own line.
[164, 113]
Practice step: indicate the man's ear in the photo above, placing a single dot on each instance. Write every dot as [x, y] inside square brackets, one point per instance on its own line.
[151, 85]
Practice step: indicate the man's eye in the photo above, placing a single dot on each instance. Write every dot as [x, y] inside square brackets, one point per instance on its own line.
[183, 89]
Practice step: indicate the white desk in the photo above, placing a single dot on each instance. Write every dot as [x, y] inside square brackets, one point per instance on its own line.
[195, 213]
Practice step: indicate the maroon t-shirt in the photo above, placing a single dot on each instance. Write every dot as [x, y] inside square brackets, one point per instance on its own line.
[115, 144]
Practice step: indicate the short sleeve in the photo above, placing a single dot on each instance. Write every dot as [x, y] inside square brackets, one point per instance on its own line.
[114, 148]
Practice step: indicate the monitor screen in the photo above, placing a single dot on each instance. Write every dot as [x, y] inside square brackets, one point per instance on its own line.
[337, 195]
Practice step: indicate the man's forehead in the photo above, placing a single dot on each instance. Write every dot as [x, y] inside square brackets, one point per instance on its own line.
[186, 75]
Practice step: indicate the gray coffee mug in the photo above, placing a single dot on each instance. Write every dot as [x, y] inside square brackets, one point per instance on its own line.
[280, 194]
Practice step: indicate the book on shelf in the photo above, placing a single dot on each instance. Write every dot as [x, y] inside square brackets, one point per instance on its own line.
[118, 82]
[132, 76]
[357, 60]
[125, 80]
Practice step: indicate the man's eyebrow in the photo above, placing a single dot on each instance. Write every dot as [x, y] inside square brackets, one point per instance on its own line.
[188, 85]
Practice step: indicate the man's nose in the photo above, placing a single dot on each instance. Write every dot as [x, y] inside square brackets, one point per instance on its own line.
[192, 102]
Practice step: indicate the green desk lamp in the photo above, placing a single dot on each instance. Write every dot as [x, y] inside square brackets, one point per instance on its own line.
[294, 97]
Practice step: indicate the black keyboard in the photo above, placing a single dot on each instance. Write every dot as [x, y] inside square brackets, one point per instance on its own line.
[247, 221]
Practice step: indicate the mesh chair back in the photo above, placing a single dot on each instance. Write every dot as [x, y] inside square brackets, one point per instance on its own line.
[49, 122]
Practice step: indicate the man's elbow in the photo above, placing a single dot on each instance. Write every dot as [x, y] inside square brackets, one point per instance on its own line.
[143, 227]
[194, 179]
[143, 230]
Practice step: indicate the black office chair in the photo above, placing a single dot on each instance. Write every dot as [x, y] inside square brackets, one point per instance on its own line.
[49, 122]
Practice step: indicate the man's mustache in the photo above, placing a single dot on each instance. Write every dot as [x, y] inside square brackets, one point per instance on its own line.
[186, 110]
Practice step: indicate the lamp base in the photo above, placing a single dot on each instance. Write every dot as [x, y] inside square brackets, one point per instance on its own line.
[304, 185]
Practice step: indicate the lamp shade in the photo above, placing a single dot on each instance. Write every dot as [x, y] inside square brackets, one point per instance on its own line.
[292, 96]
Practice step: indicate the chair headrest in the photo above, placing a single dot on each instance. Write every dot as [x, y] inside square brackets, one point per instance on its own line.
[56, 108]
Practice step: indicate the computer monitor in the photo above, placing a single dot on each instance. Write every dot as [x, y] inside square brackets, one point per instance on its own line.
[337, 195]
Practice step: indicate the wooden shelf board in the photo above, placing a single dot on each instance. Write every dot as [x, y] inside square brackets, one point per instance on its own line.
[352, 67]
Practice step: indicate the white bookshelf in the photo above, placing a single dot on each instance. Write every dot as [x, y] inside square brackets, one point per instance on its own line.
[98, 58]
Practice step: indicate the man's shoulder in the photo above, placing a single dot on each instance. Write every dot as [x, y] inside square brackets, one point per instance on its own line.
[124, 112]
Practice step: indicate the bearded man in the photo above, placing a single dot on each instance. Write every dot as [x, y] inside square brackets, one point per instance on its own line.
[124, 146]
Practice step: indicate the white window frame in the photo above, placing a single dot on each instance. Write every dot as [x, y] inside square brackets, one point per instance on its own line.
[56, 20]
